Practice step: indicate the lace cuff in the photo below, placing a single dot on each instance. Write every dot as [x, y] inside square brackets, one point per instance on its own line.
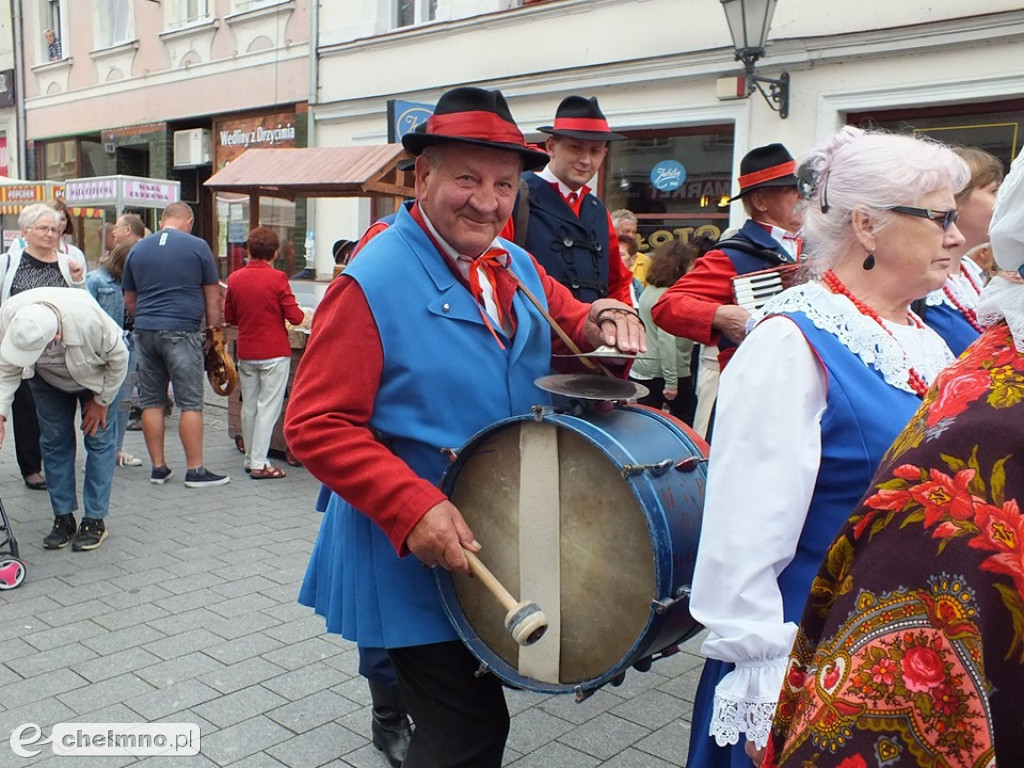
[745, 702]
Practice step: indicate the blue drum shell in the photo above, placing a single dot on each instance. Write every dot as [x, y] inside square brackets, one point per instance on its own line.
[629, 523]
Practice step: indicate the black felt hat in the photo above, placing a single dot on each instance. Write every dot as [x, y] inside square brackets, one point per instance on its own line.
[767, 166]
[477, 117]
[581, 118]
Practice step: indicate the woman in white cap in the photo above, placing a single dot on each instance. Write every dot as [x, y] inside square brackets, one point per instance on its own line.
[909, 651]
[806, 409]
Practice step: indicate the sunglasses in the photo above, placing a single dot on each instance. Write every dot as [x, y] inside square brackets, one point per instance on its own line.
[944, 219]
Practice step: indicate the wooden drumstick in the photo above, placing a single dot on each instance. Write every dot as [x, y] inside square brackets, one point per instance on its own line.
[525, 620]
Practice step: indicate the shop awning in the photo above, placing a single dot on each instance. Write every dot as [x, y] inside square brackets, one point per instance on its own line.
[316, 172]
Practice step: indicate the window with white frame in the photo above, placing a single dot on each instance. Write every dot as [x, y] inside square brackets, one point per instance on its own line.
[410, 12]
[53, 45]
[182, 13]
[113, 23]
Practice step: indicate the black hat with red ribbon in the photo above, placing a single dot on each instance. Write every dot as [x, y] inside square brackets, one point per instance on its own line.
[767, 166]
[581, 118]
[476, 117]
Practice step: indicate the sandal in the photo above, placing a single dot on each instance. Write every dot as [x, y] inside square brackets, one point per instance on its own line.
[267, 473]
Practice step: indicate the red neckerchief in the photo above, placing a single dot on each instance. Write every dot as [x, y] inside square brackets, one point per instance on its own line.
[503, 283]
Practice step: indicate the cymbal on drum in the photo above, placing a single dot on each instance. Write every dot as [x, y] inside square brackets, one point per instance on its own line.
[590, 387]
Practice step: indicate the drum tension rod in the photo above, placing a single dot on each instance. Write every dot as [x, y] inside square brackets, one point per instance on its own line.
[657, 469]
[662, 606]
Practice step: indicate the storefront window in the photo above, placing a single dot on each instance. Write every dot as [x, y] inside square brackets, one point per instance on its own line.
[677, 182]
[233, 232]
[997, 128]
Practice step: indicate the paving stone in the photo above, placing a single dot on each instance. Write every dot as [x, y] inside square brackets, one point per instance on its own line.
[535, 728]
[670, 742]
[652, 709]
[246, 738]
[121, 639]
[58, 637]
[102, 667]
[176, 670]
[302, 654]
[47, 661]
[40, 687]
[247, 647]
[634, 758]
[242, 625]
[96, 695]
[555, 754]
[316, 747]
[604, 736]
[128, 616]
[239, 606]
[306, 680]
[182, 643]
[313, 710]
[240, 705]
[237, 676]
[170, 699]
[173, 624]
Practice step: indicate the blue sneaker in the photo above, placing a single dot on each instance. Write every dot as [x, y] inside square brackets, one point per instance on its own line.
[204, 478]
[160, 475]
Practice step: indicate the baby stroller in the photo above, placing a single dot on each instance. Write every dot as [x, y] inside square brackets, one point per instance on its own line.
[12, 570]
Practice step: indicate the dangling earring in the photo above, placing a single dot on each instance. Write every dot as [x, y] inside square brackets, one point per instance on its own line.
[869, 262]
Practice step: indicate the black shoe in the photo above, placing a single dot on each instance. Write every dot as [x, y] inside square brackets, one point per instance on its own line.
[36, 485]
[135, 425]
[91, 534]
[389, 730]
[160, 475]
[64, 527]
[204, 478]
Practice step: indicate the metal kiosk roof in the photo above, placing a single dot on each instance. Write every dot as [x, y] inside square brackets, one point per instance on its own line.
[367, 171]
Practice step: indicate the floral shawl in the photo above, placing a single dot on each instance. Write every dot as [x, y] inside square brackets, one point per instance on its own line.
[910, 651]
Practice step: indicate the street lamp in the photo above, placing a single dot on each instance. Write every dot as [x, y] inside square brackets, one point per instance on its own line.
[749, 21]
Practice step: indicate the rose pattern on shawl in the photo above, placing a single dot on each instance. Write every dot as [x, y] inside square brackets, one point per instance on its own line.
[992, 369]
[917, 692]
[922, 669]
[908, 677]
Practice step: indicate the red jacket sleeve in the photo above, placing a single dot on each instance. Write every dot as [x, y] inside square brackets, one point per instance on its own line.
[327, 423]
[688, 308]
[289, 306]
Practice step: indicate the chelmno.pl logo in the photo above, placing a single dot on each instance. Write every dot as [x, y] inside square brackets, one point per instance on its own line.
[108, 739]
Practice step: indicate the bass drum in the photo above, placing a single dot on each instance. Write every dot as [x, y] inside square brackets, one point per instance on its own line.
[596, 519]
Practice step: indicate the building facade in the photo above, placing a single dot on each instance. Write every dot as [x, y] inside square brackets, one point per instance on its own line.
[166, 90]
[946, 67]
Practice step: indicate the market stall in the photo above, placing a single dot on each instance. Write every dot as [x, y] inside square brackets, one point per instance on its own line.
[120, 192]
[369, 171]
[15, 194]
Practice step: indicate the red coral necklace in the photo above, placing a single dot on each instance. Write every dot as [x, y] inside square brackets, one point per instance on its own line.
[969, 314]
[914, 379]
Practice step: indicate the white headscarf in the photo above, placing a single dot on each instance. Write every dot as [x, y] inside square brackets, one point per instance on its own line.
[1001, 298]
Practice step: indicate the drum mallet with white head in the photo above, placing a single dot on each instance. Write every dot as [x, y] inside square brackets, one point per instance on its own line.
[525, 621]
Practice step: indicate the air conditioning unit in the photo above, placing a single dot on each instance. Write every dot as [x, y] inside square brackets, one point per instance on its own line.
[192, 148]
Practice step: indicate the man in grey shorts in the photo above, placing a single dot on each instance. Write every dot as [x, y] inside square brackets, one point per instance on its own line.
[170, 288]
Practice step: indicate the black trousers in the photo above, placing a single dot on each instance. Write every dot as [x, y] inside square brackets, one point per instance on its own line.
[26, 431]
[683, 407]
[461, 720]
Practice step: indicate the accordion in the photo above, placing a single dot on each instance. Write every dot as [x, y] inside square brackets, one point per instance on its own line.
[752, 290]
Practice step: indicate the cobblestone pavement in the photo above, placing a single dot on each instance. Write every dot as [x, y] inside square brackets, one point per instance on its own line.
[187, 613]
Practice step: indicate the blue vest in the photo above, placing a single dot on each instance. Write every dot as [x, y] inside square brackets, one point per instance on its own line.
[572, 249]
[952, 326]
[863, 416]
[444, 379]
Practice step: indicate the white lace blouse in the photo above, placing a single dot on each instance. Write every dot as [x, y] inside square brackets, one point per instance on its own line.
[764, 463]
